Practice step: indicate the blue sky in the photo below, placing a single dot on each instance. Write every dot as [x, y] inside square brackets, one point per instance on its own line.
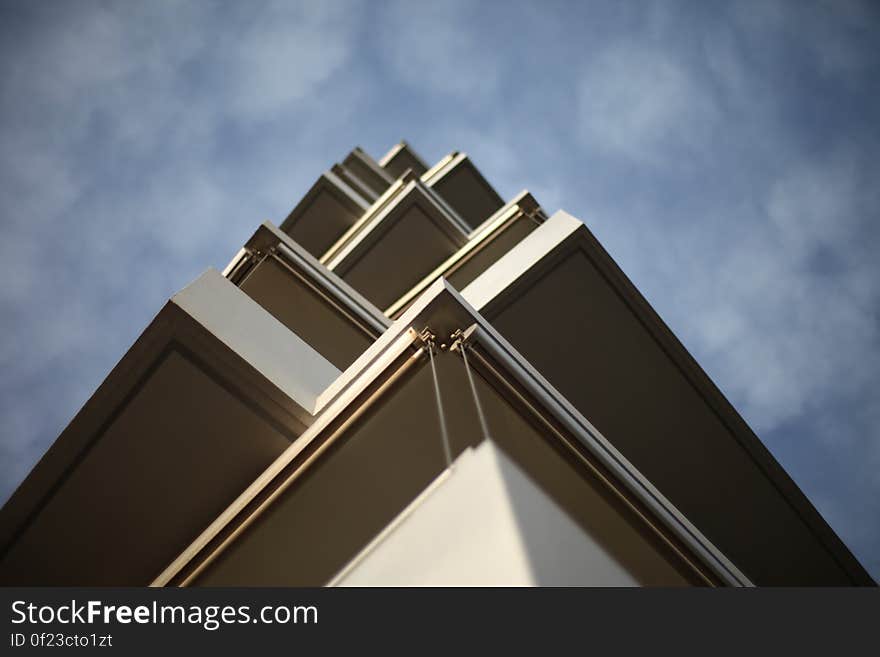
[726, 154]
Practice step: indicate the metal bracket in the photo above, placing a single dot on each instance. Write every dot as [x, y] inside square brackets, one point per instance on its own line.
[428, 337]
[456, 339]
[256, 253]
[461, 337]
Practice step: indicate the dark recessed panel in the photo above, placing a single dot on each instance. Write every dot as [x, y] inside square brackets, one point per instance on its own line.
[320, 222]
[301, 309]
[369, 176]
[404, 254]
[403, 160]
[468, 193]
[180, 450]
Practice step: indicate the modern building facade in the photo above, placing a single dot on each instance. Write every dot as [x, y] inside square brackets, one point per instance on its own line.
[410, 381]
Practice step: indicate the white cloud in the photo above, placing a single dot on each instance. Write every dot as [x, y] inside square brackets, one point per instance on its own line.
[818, 204]
[285, 52]
[437, 47]
[639, 103]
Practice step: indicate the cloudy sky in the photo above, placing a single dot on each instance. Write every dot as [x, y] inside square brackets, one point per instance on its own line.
[726, 154]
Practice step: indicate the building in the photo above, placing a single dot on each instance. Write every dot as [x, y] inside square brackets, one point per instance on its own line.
[411, 381]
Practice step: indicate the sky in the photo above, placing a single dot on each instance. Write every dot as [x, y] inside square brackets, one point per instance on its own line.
[727, 155]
